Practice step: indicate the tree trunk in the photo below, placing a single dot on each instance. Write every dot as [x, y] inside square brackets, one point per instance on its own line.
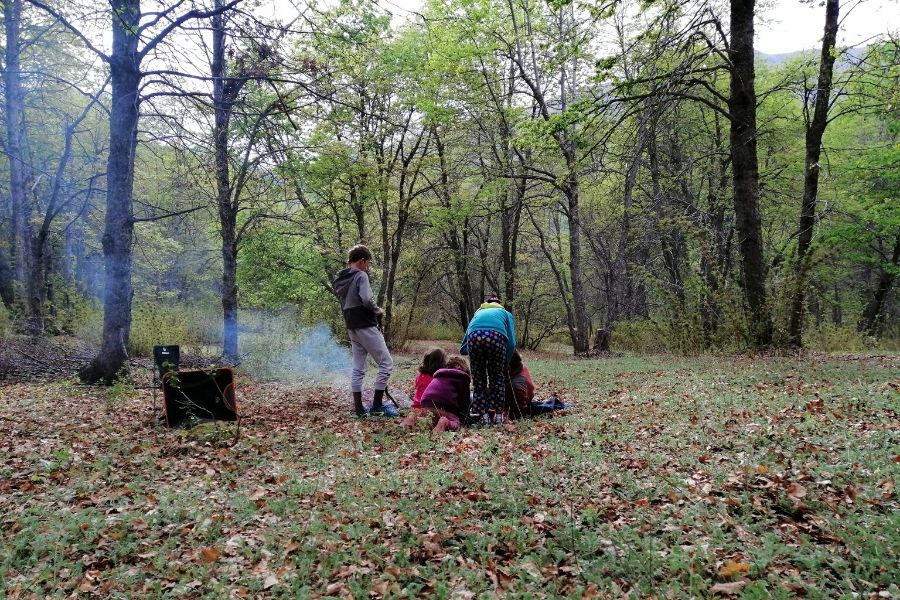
[224, 93]
[384, 222]
[814, 133]
[577, 319]
[402, 217]
[511, 204]
[6, 282]
[601, 340]
[670, 242]
[41, 267]
[561, 283]
[229, 297]
[868, 324]
[715, 254]
[580, 326]
[459, 246]
[37, 285]
[618, 291]
[837, 311]
[19, 171]
[119, 224]
[359, 210]
[745, 172]
[458, 243]
[511, 216]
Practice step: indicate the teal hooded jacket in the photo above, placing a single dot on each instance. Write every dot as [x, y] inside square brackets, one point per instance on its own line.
[492, 317]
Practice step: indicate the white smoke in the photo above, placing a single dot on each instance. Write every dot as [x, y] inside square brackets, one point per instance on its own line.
[276, 347]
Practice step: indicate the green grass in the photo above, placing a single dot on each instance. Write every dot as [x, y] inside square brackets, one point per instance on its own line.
[672, 476]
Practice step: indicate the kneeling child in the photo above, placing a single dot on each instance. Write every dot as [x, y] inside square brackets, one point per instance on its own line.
[447, 396]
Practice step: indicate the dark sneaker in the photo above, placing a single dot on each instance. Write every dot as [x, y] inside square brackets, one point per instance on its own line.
[361, 412]
[385, 410]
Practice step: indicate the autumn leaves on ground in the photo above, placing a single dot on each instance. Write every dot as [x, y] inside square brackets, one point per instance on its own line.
[671, 477]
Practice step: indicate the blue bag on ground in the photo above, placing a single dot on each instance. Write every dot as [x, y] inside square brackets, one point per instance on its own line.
[545, 406]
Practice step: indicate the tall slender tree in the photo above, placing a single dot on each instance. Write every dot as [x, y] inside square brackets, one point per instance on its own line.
[815, 130]
[745, 171]
[228, 81]
[19, 166]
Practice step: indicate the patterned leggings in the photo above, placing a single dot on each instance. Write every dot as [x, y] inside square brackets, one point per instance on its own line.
[487, 358]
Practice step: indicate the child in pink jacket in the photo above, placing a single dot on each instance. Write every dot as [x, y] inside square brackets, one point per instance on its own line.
[447, 396]
[434, 360]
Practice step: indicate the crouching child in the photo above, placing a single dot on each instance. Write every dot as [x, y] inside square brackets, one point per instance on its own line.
[447, 396]
[519, 388]
[433, 361]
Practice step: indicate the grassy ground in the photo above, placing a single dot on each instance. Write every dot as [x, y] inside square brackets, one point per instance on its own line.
[673, 477]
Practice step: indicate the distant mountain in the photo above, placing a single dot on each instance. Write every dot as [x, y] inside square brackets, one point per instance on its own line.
[777, 59]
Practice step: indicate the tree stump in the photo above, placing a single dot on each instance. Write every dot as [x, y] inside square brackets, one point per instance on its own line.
[601, 340]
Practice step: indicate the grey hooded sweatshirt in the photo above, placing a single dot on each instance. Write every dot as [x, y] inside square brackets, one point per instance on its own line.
[355, 293]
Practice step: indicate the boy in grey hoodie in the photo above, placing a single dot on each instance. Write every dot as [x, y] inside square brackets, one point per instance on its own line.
[361, 316]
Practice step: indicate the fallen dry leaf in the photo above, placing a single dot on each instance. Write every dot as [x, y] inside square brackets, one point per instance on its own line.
[270, 581]
[335, 588]
[382, 587]
[210, 554]
[728, 588]
[731, 568]
[796, 491]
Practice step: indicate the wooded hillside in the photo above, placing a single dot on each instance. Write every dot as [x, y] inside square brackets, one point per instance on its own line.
[632, 168]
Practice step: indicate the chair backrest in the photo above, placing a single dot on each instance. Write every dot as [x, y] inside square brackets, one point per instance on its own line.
[167, 358]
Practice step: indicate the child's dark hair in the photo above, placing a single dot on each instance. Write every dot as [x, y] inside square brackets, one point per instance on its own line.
[515, 363]
[358, 253]
[457, 362]
[434, 360]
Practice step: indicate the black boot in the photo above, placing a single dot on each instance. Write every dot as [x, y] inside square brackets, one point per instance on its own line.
[379, 408]
[377, 400]
[358, 407]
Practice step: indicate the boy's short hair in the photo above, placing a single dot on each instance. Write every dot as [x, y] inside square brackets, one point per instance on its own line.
[357, 253]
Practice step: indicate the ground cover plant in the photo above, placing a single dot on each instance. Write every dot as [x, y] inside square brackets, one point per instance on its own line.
[672, 477]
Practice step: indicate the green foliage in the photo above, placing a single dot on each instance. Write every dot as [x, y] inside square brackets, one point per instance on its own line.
[115, 395]
[81, 318]
[5, 323]
[336, 154]
[78, 316]
[424, 330]
[279, 345]
[197, 328]
[839, 338]
[655, 335]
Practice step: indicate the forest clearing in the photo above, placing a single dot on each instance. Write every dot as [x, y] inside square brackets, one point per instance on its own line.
[646, 216]
[670, 477]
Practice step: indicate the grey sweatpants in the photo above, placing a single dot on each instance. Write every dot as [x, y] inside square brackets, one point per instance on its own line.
[364, 342]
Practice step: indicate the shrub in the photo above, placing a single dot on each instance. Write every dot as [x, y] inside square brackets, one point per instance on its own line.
[4, 322]
[81, 318]
[421, 325]
[196, 328]
[837, 338]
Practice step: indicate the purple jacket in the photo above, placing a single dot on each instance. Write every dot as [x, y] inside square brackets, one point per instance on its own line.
[449, 390]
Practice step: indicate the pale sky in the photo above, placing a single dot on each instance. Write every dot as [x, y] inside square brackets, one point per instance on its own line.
[792, 25]
[781, 25]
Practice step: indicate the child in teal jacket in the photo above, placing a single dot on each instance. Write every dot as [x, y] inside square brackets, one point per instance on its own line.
[489, 342]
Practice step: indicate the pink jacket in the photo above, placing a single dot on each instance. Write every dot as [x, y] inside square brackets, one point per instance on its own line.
[422, 381]
[449, 391]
